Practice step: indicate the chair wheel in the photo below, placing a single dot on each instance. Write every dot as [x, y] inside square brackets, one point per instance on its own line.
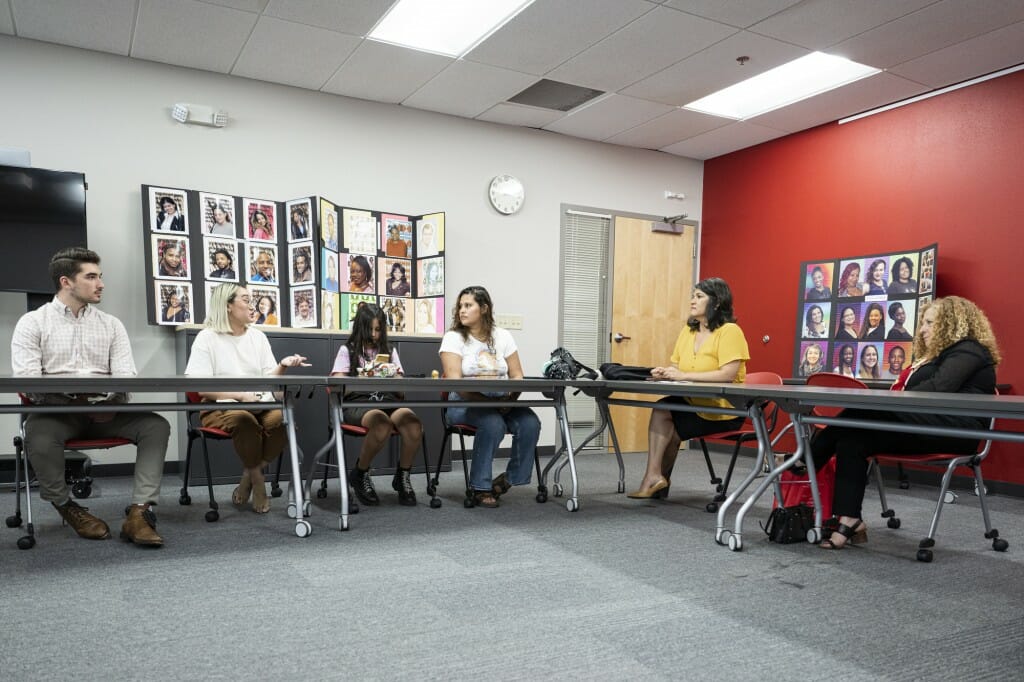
[949, 497]
[1000, 545]
[14, 521]
[26, 542]
[904, 485]
[924, 555]
[468, 503]
[81, 490]
[321, 493]
[893, 522]
[435, 502]
[542, 498]
[212, 516]
[711, 508]
[276, 492]
[432, 490]
[185, 499]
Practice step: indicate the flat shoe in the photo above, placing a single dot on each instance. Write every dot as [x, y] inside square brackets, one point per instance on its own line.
[647, 493]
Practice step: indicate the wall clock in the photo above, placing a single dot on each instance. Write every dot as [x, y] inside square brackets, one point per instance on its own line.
[506, 194]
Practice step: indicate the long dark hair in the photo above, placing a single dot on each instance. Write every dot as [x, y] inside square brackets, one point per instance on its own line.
[362, 335]
[483, 299]
[719, 310]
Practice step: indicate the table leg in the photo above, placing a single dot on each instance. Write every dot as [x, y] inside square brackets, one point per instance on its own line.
[339, 450]
[298, 508]
[573, 503]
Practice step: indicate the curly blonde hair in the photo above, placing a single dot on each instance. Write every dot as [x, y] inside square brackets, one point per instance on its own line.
[956, 319]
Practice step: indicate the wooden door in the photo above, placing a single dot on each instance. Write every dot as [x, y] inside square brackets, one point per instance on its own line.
[652, 279]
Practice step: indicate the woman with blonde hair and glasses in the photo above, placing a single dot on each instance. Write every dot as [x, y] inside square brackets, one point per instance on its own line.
[229, 346]
[955, 351]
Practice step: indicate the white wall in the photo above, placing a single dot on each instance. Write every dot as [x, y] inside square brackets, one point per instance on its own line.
[108, 116]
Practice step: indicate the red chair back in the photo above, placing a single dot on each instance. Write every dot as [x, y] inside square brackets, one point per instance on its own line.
[193, 397]
[830, 380]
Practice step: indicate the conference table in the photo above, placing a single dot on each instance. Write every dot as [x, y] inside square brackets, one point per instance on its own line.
[426, 392]
[290, 387]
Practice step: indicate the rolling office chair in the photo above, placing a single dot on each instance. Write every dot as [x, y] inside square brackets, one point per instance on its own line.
[197, 431]
[80, 487]
[463, 430]
[744, 434]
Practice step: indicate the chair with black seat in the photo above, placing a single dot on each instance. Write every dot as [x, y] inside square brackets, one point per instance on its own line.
[196, 431]
[81, 486]
[951, 462]
[738, 437]
[463, 430]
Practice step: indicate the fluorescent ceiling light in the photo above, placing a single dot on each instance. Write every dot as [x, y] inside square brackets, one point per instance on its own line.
[801, 78]
[448, 27]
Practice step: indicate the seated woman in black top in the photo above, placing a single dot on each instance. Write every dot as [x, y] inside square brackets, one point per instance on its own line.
[955, 352]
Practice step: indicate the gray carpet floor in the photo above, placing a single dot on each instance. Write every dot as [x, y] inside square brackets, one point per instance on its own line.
[621, 589]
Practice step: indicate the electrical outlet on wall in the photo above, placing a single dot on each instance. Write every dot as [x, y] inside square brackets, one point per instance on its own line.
[512, 322]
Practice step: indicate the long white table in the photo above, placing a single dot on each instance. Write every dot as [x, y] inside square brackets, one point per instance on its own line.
[289, 386]
[422, 392]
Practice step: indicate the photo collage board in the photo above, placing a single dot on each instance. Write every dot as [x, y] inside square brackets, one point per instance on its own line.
[857, 316]
[306, 262]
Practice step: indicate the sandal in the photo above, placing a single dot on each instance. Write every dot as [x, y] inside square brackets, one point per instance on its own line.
[484, 498]
[856, 534]
[500, 485]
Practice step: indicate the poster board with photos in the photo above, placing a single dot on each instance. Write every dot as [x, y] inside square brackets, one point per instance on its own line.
[857, 315]
[306, 261]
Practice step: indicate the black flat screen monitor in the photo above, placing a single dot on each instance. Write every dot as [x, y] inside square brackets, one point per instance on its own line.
[41, 211]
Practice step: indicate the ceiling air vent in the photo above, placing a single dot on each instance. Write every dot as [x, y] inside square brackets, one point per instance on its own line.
[549, 94]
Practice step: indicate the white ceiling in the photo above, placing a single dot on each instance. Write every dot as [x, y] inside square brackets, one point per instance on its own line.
[651, 56]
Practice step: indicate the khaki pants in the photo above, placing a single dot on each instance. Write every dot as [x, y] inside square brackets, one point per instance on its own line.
[45, 435]
[258, 437]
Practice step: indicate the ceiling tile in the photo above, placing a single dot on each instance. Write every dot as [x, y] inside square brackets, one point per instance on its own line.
[987, 53]
[6, 22]
[867, 93]
[468, 89]
[353, 17]
[817, 24]
[519, 115]
[658, 39]
[256, 6]
[104, 25]
[548, 33]
[715, 68]
[728, 138]
[193, 34]
[385, 73]
[665, 130]
[294, 54]
[739, 14]
[930, 29]
[608, 116]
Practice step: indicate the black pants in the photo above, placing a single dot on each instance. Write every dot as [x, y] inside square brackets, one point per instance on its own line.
[692, 425]
[853, 446]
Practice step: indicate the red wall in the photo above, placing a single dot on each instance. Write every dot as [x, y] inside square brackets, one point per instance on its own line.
[946, 170]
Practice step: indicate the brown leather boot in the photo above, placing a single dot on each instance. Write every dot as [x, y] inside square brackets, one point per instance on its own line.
[84, 523]
[140, 527]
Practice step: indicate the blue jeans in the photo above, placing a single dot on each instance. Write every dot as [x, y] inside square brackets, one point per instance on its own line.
[491, 427]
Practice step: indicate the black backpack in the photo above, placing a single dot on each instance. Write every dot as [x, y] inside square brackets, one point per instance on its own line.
[563, 365]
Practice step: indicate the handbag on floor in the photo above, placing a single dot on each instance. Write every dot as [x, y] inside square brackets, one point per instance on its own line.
[789, 524]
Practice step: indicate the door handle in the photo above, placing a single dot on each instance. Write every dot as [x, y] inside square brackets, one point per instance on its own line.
[619, 338]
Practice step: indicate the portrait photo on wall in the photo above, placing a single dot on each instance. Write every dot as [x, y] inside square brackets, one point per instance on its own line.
[396, 235]
[850, 284]
[844, 359]
[876, 277]
[329, 274]
[430, 273]
[260, 215]
[302, 268]
[170, 257]
[359, 268]
[169, 209]
[817, 320]
[901, 320]
[299, 215]
[903, 275]
[813, 358]
[429, 315]
[264, 306]
[218, 214]
[329, 309]
[847, 321]
[869, 361]
[359, 232]
[818, 283]
[897, 358]
[927, 283]
[262, 263]
[173, 302]
[430, 235]
[872, 327]
[397, 314]
[350, 304]
[221, 256]
[303, 312]
[329, 225]
[395, 277]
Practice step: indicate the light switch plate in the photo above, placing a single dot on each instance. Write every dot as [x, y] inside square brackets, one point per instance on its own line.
[508, 321]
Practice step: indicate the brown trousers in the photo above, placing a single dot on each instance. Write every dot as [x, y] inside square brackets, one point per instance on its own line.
[258, 437]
